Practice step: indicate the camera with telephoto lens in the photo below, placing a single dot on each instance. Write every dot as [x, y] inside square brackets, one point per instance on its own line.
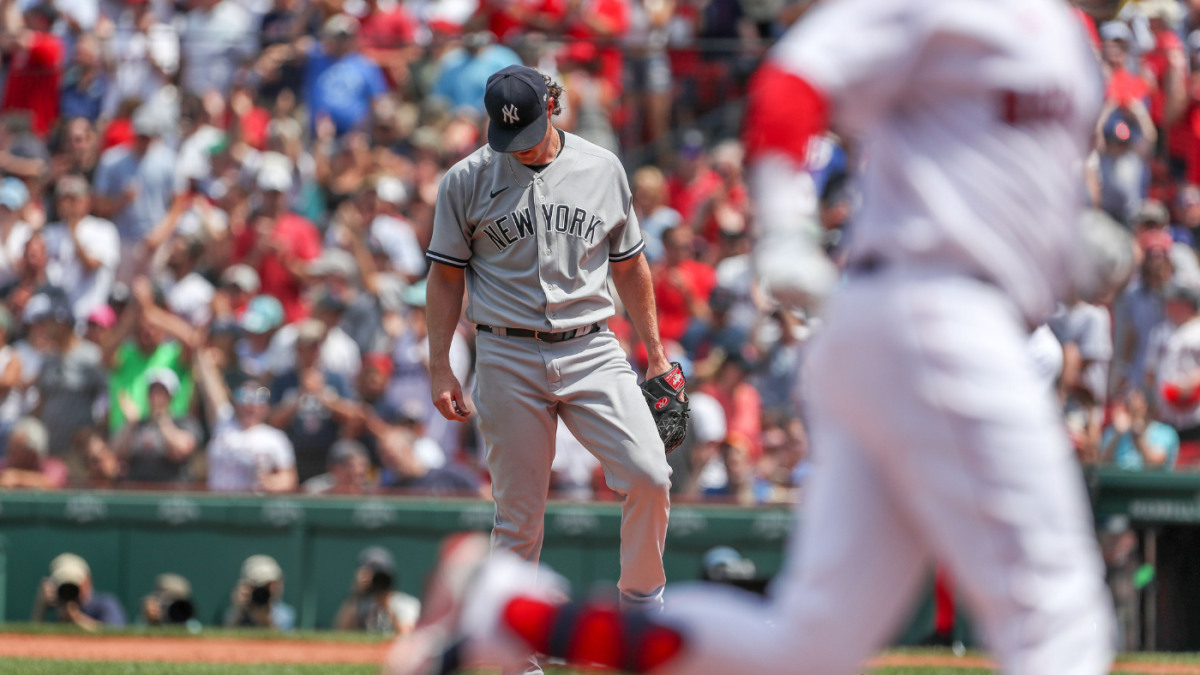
[381, 582]
[261, 595]
[68, 592]
[177, 611]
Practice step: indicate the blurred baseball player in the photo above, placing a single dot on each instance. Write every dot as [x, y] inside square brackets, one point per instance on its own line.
[933, 436]
[532, 224]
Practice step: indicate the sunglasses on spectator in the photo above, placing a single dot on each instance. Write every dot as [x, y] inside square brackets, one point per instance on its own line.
[252, 396]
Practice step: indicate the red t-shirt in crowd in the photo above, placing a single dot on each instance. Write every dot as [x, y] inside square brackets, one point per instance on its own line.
[33, 80]
[299, 238]
[388, 30]
[1156, 62]
[674, 313]
[1125, 86]
[686, 197]
[505, 24]
[615, 15]
[743, 413]
[738, 199]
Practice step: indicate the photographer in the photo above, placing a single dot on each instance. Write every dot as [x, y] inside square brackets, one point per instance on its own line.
[372, 604]
[68, 593]
[258, 597]
[170, 603]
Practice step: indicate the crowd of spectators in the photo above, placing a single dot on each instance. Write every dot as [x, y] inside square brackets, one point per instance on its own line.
[214, 214]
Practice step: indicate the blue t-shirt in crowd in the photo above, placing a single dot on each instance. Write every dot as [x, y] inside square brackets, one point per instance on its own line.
[152, 178]
[81, 100]
[1127, 457]
[341, 88]
[463, 77]
[105, 608]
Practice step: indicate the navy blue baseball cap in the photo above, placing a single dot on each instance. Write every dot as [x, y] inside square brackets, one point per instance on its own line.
[516, 99]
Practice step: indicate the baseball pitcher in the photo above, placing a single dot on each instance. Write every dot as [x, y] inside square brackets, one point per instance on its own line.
[532, 224]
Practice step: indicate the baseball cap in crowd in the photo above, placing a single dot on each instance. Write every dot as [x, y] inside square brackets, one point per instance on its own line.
[103, 316]
[13, 193]
[693, 144]
[391, 190]
[328, 301]
[414, 295]
[260, 570]
[146, 123]
[379, 361]
[343, 450]
[340, 25]
[275, 173]
[1167, 10]
[724, 563]
[69, 568]
[1153, 212]
[378, 559]
[310, 331]
[516, 99]
[164, 376]
[1155, 239]
[263, 313]
[1116, 30]
[73, 186]
[1183, 293]
[47, 305]
[334, 262]
[170, 587]
[242, 276]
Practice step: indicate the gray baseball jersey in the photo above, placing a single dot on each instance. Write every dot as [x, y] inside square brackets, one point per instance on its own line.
[536, 245]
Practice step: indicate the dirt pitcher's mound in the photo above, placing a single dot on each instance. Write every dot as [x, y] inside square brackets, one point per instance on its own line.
[186, 650]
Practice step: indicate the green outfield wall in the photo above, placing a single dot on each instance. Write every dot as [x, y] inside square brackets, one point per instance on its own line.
[129, 537]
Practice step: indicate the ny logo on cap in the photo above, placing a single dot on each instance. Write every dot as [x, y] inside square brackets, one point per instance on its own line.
[510, 114]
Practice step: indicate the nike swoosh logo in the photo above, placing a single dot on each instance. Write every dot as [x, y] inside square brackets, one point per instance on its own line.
[496, 192]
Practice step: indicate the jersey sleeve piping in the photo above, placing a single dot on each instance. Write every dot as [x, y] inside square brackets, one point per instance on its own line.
[618, 257]
[446, 260]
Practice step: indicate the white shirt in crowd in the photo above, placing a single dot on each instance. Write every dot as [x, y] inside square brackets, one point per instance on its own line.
[1089, 328]
[237, 456]
[339, 353]
[215, 42]
[708, 425]
[573, 464]
[99, 239]
[1180, 359]
[12, 252]
[141, 63]
[190, 297]
[397, 239]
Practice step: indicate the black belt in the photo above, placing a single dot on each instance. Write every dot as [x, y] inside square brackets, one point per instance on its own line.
[544, 336]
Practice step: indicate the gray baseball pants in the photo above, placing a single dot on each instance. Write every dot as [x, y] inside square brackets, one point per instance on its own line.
[523, 386]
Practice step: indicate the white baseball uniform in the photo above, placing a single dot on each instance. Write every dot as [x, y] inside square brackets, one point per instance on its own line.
[536, 246]
[932, 434]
